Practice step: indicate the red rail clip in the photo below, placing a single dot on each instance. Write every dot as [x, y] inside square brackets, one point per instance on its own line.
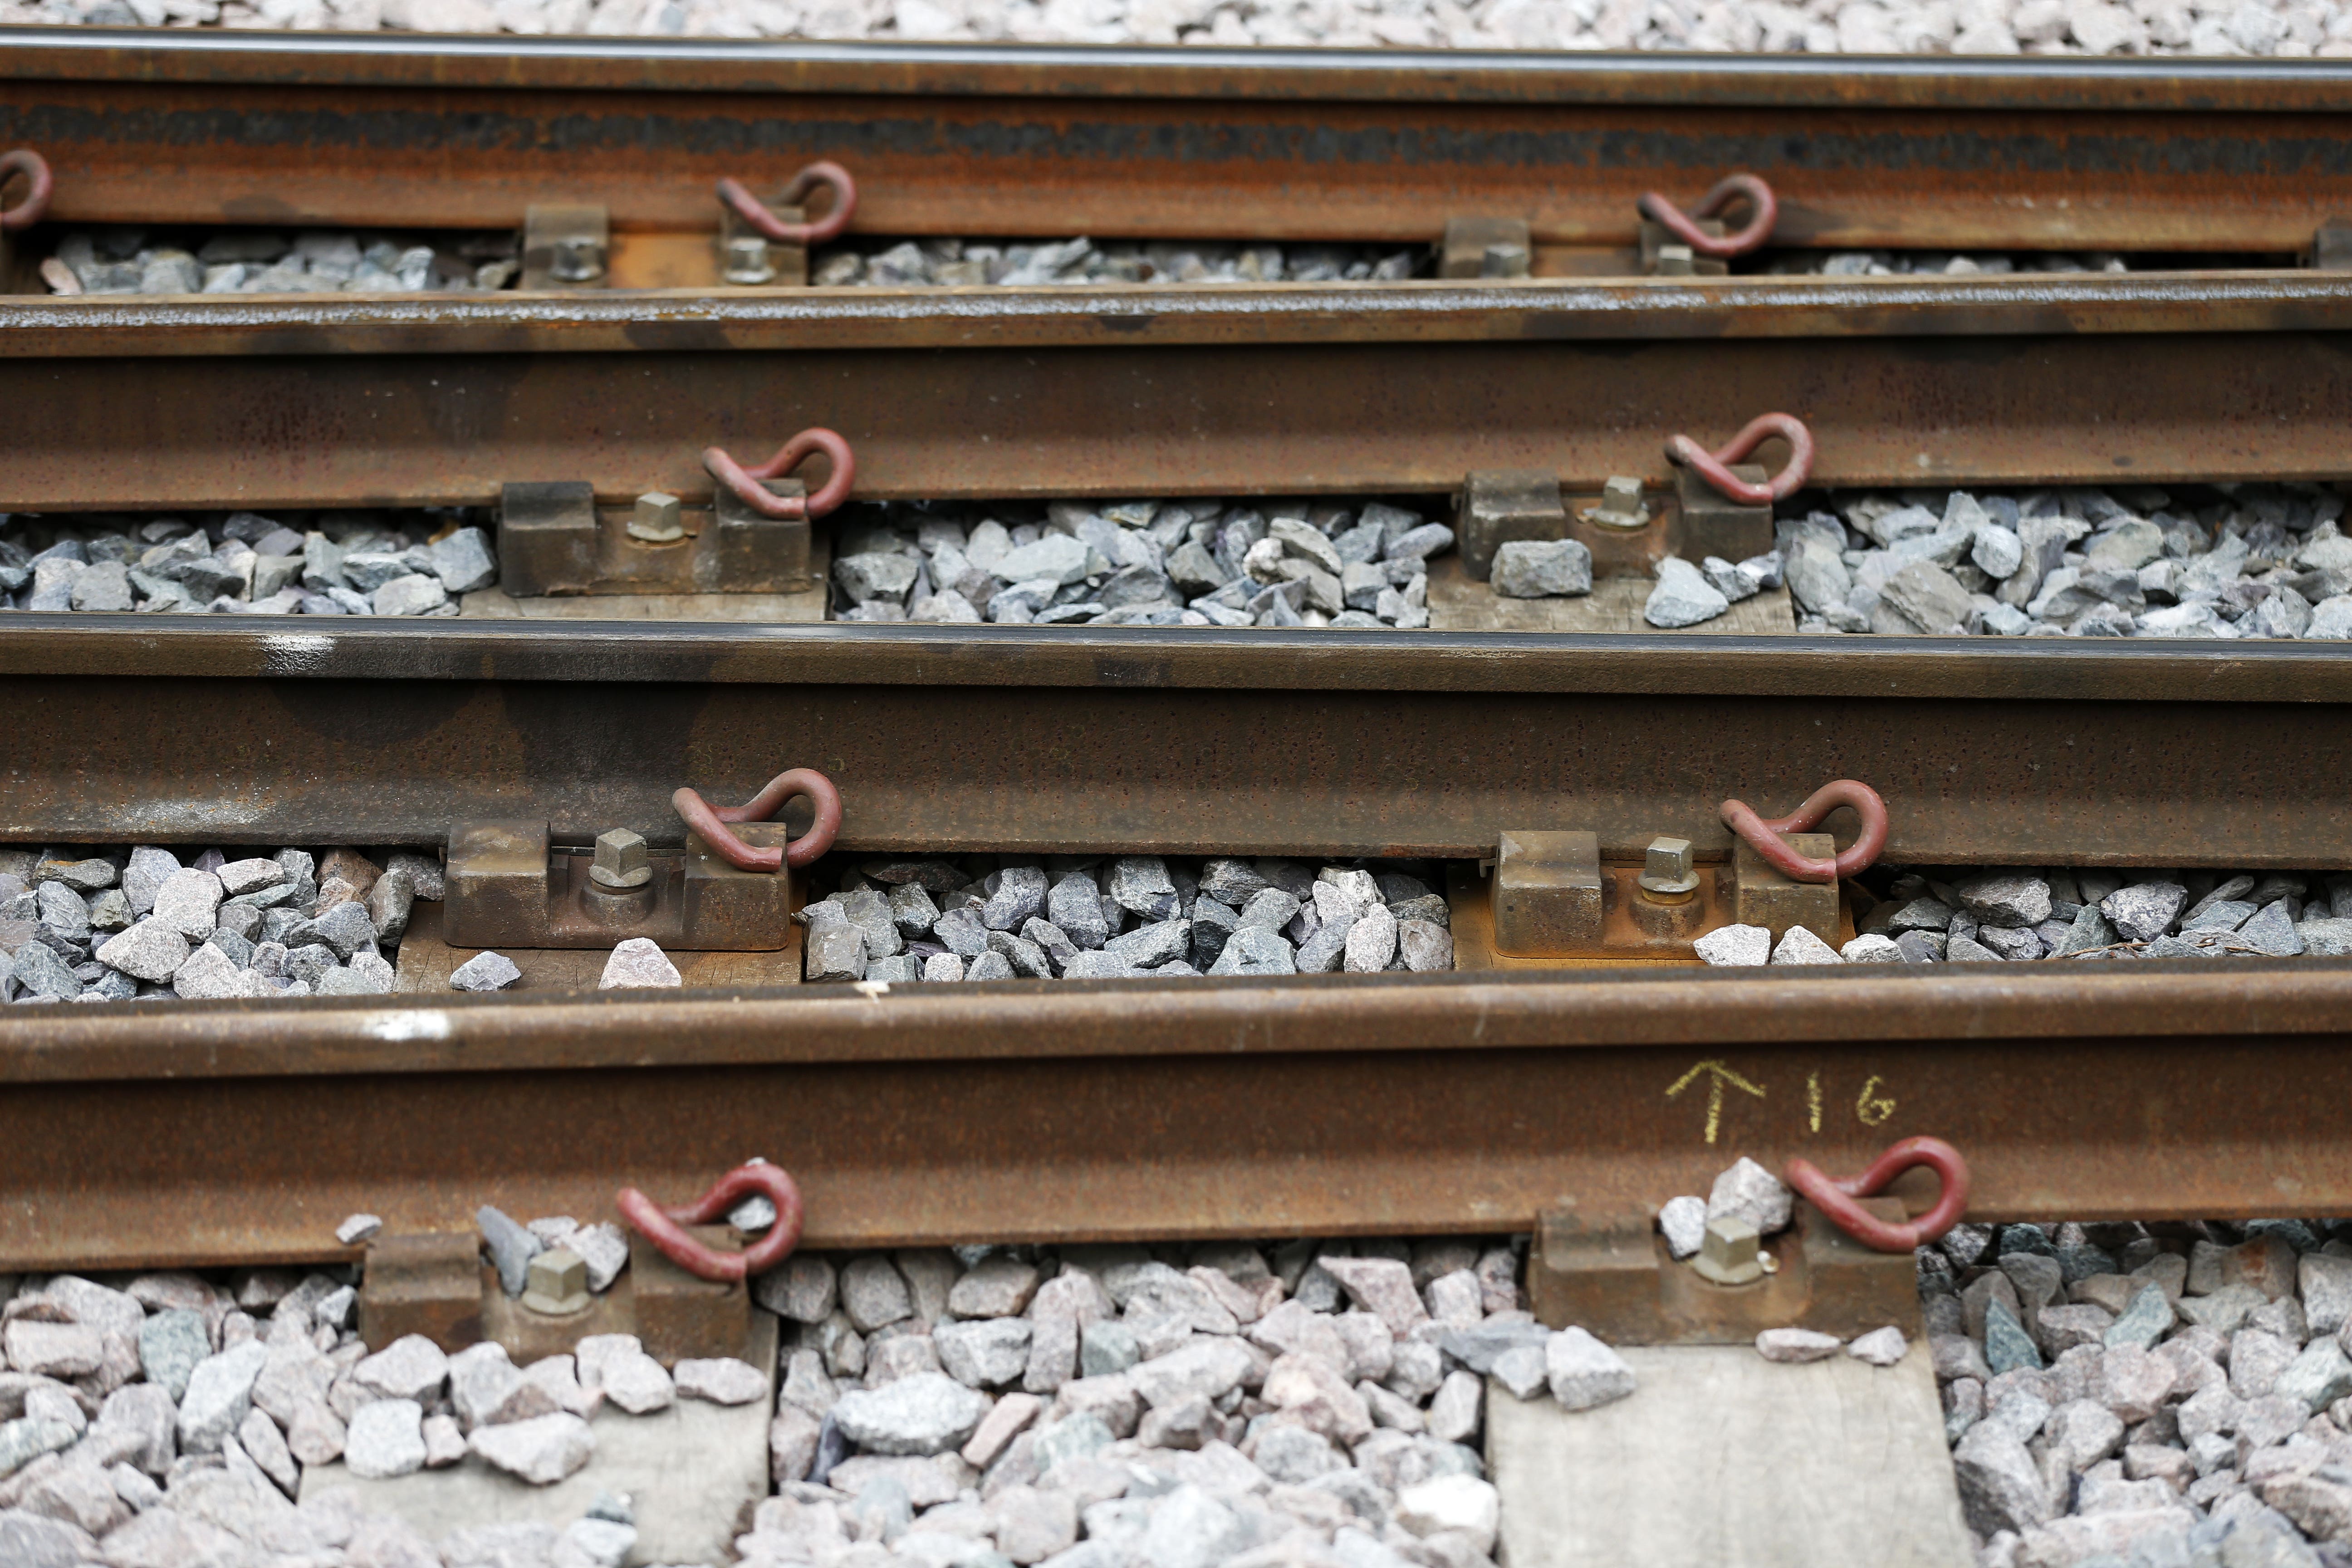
[1765, 838]
[710, 821]
[748, 207]
[1765, 210]
[1713, 467]
[35, 169]
[666, 1228]
[1835, 1198]
[746, 482]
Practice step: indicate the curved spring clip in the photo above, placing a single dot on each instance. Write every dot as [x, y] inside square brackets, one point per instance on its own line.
[744, 483]
[710, 821]
[1765, 210]
[749, 208]
[35, 169]
[666, 1228]
[1764, 837]
[1715, 467]
[1836, 1199]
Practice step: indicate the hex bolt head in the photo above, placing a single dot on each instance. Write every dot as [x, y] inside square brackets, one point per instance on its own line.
[1731, 1252]
[1675, 261]
[744, 260]
[1666, 870]
[578, 258]
[657, 520]
[1621, 504]
[557, 1282]
[1506, 260]
[621, 860]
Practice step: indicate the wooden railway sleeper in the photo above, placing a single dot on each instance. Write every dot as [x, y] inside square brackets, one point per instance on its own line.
[728, 889]
[753, 536]
[1717, 503]
[1552, 895]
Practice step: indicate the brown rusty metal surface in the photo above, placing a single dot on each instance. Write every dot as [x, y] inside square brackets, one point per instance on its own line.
[1309, 1106]
[2173, 155]
[1184, 741]
[1157, 416]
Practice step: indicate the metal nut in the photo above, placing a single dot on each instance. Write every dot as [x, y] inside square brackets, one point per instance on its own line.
[1731, 1253]
[1504, 260]
[578, 258]
[744, 260]
[1675, 261]
[621, 860]
[557, 1283]
[657, 520]
[1668, 874]
[1621, 504]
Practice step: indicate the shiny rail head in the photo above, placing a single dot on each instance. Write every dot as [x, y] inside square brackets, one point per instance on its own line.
[506, 62]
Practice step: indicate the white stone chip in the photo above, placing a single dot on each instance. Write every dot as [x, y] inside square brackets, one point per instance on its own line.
[541, 1451]
[1584, 1373]
[386, 1439]
[1798, 945]
[1735, 946]
[1880, 1347]
[359, 1227]
[722, 1380]
[1749, 1192]
[1871, 948]
[638, 962]
[1683, 1222]
[1457, 1502]
[1796, 1345]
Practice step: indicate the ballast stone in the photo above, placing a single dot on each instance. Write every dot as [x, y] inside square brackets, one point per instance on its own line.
[1683, 597]
[1537, 569]
[1736, 946]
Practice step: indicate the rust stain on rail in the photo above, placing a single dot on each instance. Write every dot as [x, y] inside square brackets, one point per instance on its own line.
[1141, 1111]
[1182, 143]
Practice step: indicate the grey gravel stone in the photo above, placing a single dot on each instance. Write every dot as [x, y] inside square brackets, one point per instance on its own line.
[1683, 596]
[1583, 1372]
[929, 1413]
[1531, 569]
[2141, 912]
[485, 972]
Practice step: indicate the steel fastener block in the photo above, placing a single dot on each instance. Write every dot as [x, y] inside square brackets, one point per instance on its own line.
[1499, 505]
[547, 538]
[1712, 524]
[1763, 897]
[565, 245]
[429, 1283]
[1546, 893]
[1468, 241]
[1615, 1278]
[621, 860]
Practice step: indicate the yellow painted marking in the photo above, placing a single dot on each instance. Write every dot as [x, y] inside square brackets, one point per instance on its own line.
[1872, 1107]
[1717, 1075]
[1813, 1101]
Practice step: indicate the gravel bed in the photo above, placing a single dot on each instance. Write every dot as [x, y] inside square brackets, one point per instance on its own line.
[335, 563]
[1300, 1403]
[1088, 917]
[2133, 561]
[2284, 29]
[1976, 915]
[1190, 563]
[1081, 261]
[89, 925]
[2148, 1395]
[1926, 263]
[262, 261]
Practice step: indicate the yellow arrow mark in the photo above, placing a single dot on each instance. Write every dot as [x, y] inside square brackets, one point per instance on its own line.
[1717, 1075]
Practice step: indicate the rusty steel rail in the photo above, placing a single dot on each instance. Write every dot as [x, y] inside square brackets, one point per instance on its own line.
[127, 729]
[1270, 393]
[1101, 1109]
[2171, 155]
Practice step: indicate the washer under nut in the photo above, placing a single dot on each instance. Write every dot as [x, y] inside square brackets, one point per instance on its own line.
[1668, 874]
[621, 861]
